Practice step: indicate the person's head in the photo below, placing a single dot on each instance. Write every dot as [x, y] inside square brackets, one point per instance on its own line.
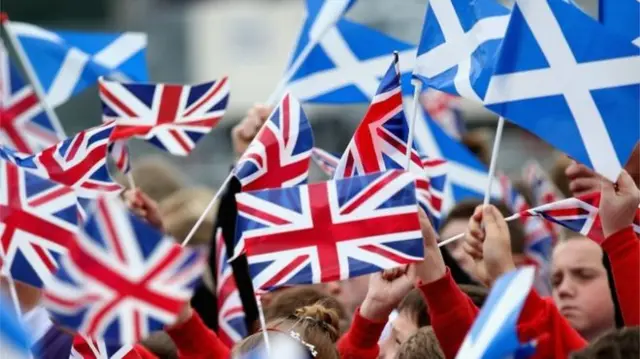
[421, 345]
[477, 142]
[315, 327]
[288, 300]
[157, 177]
[617, 344]
[457, 221]
[412, 315]
[181, 210]
[350, 292]
[580, 286]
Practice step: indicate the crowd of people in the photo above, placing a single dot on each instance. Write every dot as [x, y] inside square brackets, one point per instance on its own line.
[423, 310]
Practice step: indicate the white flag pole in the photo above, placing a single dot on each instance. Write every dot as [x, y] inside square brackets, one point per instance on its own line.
[494, 160]
[461, 235]
[31, 76]
[416, 107]
[263, 325]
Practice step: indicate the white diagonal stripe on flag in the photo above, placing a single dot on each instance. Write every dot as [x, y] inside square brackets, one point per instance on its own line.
[67, 77]
[120, 50]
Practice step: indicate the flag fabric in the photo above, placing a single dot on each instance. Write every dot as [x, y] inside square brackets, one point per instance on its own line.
[171, 117]
[119, 152]
[122, 279]
[339, 70]
[321, 16]
[85, 348]
[279, 156]
[79, 162]
[38, 219]
[14, 339]
[67, 62]
[327, 161]
[543, 190]
[330, 231]
[445, 109]
[24, 126]
[493, 334]
[231, 319]
[622, 17]
[456, 53]
[581, 97]
[579, 214]
[431, 192]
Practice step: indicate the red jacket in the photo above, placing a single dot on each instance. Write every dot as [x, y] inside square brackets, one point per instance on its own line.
[623, 249]
[195, 340]
[361, 341]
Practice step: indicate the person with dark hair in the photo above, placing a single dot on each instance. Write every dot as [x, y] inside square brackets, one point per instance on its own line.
[423, 344]
[617, 344]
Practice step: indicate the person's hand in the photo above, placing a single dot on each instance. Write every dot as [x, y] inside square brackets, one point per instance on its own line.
[618, 203]
[582, 179]
[386, 290]
[243, 133]
[143, 206]
[491, 249]
[432, 267]
[185, 314]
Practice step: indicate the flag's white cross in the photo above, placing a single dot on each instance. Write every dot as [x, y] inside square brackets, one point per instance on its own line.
[348, 69]
[573, 80]
[458, 46]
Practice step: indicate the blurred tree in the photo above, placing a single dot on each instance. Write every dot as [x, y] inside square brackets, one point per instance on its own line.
[47, 11]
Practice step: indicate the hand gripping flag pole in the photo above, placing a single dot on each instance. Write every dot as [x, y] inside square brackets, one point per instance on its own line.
[31, 74]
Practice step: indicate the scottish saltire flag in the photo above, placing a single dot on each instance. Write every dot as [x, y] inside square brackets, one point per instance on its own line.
[279, 156]
[581, 97]
[171, 117]
[445, 109]
[340, 70]
[86, 348]
[14, 339]
[543, 190]
[321, 16]
[459, 41]
[622, 17]
[231, 322]
[330, 231]
[579, 214]
[493, 334]
[24, 126]
[122, 279]
[326, 161]
[38, 219]
[67, 62]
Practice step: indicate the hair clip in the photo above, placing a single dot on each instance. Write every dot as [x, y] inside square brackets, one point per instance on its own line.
[311, 347]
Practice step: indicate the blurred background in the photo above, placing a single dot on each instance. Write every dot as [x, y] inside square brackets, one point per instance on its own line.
[193, 41]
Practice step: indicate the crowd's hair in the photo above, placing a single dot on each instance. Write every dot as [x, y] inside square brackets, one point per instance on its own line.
[524, 189]
[156, 176]
[288, 300]
[414, 305]
[315, 324]
[616, 344]
[464, 210]
[423, 344]
[477, 142]
[477, 293]
[161, 344]
[181, 210]
[558, 177]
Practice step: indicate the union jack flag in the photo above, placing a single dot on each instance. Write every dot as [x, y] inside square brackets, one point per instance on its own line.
[24, 126]
[445, 109]
[327, 161]
[38, 218]
[85, 348]
[171, 117]
[231, 325]
[542, 188]
[431, 191]
[579, 214]
[330, 231]
[279, 155]
[122, 278]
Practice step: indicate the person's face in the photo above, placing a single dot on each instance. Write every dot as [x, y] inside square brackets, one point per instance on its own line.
[455, 227]
[402, 328]
[350, 293]
[580, 287]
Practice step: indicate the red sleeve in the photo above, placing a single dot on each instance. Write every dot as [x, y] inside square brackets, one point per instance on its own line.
[451, 311]
[361, 341]
[623, 249]
[143, 353]
[195, 340]
[541, 320]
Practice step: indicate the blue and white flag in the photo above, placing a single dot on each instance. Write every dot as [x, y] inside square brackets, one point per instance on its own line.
[467, 176]
[321, 16]
[14, 341]
[493, 334]
[347, 64]
[67, 62]
[622, 17]
[459, 42]
[564, 77]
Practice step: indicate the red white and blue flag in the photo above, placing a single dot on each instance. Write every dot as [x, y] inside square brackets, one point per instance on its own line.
[85, 348]
[325, 160]
[431, 192]
[579, 214]
[279, 156]
[38, 219]
[122, 279]
[330, 231]
[231, 323]
[445, 109]
[171, 117]
[543, 190]
[24, 126]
